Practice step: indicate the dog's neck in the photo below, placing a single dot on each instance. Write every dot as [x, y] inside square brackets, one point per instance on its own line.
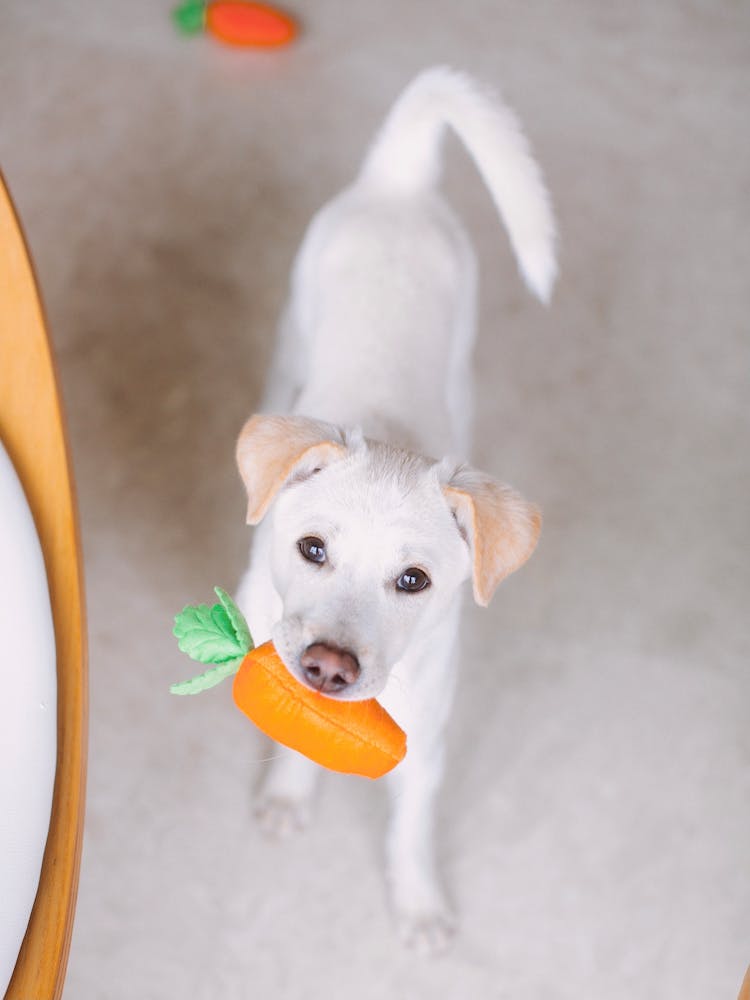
[375, 425]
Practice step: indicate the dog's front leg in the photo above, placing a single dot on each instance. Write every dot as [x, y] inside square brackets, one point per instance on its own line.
[423, 916]
[282, 805]
[420, 699]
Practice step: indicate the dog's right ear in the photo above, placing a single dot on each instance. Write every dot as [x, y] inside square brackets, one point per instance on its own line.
[271, 450]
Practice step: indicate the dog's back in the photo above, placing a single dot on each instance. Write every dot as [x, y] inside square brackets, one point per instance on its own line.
[383, 291]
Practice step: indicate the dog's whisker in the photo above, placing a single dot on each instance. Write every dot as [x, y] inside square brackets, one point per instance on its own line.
[262, 760]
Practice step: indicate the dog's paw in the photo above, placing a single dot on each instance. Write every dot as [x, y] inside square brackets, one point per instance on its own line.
[428, 934]
[280, 818]
[424, 919]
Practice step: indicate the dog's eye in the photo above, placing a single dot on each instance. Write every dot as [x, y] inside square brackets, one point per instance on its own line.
[312, 548]
[413, 579]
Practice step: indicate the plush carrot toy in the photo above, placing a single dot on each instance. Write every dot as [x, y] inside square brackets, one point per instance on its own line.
[356, 737]
[241, 23]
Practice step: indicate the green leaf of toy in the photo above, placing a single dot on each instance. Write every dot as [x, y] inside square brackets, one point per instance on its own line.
[208, 679]
[207, 634]
[217, 635]
[241, 631]
[190, 17]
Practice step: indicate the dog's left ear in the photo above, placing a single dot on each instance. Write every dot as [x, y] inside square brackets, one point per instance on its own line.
[272, 450]
[501, 528]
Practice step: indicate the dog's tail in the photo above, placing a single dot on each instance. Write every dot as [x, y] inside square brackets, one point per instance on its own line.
[406, 156]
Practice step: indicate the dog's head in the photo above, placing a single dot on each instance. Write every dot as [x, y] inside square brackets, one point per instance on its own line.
[369, 545]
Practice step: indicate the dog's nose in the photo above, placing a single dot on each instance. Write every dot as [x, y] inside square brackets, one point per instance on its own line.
[327, 668]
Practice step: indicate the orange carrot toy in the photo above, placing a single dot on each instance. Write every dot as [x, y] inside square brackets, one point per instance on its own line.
[357, 737]
[236, 22]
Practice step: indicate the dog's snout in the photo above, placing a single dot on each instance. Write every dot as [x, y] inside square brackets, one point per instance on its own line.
[329, 669]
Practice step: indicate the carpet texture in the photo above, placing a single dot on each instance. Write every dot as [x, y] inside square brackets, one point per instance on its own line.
[595, 820]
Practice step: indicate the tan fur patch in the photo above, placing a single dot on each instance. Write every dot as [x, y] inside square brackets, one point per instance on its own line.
[502, 527]
[270, 448]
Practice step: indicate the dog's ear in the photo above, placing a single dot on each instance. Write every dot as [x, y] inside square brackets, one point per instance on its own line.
[271, 450]
[501, 528]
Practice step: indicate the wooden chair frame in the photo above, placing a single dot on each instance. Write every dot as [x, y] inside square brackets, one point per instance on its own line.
[33, 432]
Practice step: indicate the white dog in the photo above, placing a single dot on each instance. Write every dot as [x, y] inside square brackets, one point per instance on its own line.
[365, 540]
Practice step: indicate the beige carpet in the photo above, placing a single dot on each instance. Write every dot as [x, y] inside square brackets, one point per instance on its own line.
[596, 813]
